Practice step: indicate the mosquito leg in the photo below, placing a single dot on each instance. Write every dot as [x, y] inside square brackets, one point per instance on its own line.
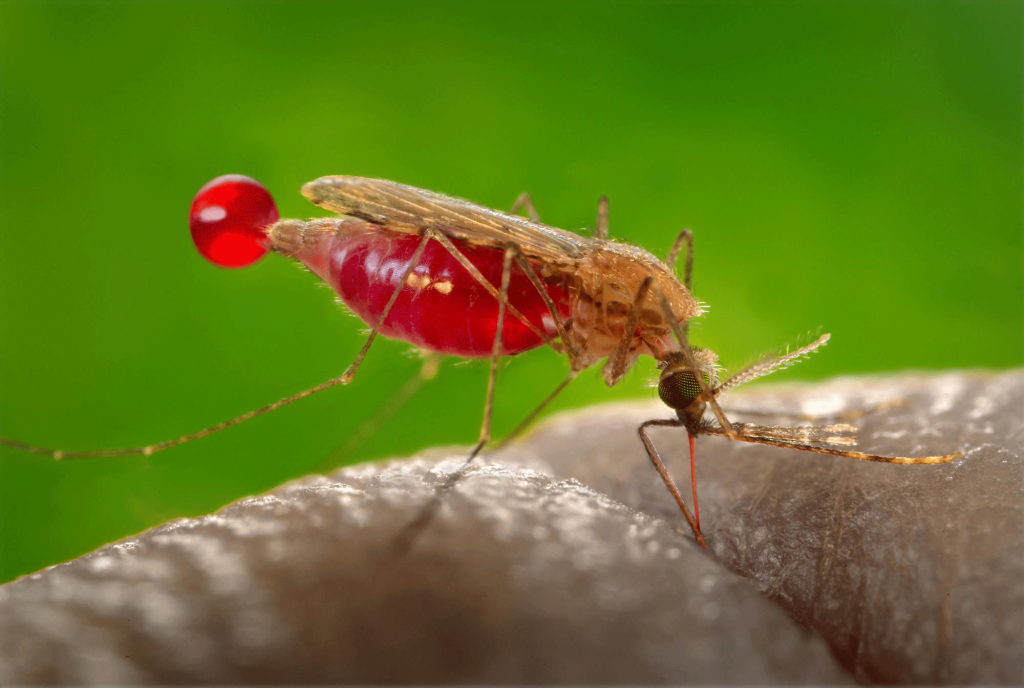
[478, 276]
[684, 347]
[344, 379]
[485, 428]
[150, 449]
[665, 475]
[616, 365]
[351, 371]
[563, 334]
[684, 240]
[525, 202]
[405, 539]
[536, 412]
[601, 227]
[506, 275]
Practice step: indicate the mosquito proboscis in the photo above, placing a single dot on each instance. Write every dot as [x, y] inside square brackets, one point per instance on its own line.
[453, 277]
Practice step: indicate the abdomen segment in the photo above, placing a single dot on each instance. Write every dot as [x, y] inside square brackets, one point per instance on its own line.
[442, 307]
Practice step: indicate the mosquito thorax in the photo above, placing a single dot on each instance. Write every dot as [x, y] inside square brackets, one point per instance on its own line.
[228, 220]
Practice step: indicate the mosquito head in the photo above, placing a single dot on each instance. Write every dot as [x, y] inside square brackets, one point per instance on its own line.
[678, 386]
[228, 219]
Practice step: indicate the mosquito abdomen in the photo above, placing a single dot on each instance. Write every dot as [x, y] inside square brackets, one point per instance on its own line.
[443, 307]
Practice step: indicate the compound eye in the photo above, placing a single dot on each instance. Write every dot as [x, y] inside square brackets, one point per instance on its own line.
[678, 390]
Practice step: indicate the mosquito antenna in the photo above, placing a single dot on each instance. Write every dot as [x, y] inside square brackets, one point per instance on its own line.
[771, 364]
[827, 439]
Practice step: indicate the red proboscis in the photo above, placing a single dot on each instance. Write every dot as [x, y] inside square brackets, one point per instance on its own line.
[693, 481]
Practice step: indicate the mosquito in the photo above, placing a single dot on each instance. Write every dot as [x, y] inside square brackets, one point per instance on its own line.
[453, 277]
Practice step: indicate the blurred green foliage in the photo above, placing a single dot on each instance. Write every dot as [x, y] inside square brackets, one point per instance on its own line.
[854, 166]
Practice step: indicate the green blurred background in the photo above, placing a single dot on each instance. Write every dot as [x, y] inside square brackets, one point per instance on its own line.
[854, 166]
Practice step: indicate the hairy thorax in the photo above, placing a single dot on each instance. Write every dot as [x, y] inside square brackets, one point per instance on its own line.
[603, 288]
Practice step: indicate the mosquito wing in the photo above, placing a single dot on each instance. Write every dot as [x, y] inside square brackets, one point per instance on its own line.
[408, 209]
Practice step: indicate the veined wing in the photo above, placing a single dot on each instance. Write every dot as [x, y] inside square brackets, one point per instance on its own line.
[408, 209]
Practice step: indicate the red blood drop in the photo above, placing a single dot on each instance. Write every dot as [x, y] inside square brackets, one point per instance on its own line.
[228, 220]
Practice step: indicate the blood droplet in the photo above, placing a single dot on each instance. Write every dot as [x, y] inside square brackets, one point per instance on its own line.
[228, 218]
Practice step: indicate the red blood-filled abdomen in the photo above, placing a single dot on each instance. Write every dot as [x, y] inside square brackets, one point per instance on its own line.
[442, 307]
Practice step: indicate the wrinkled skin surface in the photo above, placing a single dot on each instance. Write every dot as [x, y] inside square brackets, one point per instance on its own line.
[564, 559]
[912, 573]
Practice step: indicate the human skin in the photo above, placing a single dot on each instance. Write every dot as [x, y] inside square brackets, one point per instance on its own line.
[562, 559]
